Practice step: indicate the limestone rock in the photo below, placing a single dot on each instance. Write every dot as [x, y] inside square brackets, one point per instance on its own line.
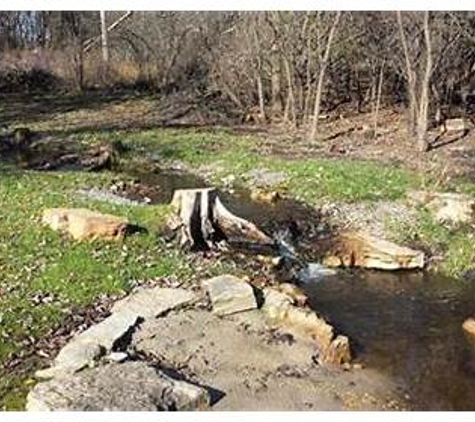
[337, 353]
[84, 224]
[84, 349]
[306, 323]
[451, 208]
[276, 304]
[469, 329]
[266, 178]
[79, 354]
[128, 386]
[358, 249]
[148, 303]
[111, 331]
[298, 295]
[230, 295]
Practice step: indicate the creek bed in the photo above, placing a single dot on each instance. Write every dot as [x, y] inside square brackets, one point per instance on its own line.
[407, 325]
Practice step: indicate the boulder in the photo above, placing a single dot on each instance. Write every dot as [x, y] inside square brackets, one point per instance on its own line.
[358, 249]
[229, 295]
[134, 386]
[449, 208]
[83, 224]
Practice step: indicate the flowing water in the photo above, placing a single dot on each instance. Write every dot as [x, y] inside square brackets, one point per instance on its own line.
[408, 325]
[405, 324]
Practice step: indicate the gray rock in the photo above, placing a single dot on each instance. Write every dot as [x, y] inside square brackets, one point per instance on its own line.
[107, 196]
[110, 331]
[230, 295]
[134, 386]
[149, 303]
[266, 178]
[78, 354]
[102, 338]
[117, 357]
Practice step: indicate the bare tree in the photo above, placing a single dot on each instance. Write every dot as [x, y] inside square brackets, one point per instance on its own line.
[321, 76]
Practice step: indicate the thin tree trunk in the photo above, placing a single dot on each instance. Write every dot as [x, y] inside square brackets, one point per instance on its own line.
[378, 101]
[105, 46]
[290, 106]
[423, 114]
[411, 82]
[321, 76]
[260, 94]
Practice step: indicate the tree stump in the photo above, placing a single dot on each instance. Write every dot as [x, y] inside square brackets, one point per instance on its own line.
[205, 222]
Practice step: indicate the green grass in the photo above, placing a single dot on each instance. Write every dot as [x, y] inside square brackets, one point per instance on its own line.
[310, 180]
[35, 260]
[453, 245]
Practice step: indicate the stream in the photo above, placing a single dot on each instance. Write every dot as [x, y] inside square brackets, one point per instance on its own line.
[407, 325]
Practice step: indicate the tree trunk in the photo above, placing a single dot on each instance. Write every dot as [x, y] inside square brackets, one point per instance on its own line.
[423, 114]
[206, 223]
[378, 101]
[105, 44]
[323, 66]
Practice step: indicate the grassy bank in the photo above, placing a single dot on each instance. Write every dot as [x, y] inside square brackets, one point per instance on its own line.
[36, 262]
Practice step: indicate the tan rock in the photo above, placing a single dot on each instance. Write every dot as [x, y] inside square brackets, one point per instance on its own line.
[455, 125]
[83, 224]
[468, 327]
[358, 249]
[298, 295]
[307, 324]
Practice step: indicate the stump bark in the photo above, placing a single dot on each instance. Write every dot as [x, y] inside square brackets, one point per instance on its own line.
[205, 222]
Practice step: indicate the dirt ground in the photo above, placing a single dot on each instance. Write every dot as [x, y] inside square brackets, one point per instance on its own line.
[342, 134]
[250, 367]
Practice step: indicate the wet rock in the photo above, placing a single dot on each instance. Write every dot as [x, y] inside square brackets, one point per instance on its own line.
[267, 197]
[266, 178]
[128, 386]
[306, 323]
[449, 208]
[147, 303]
[84, 224]
[358, 249]
[298, 295]
[229, 295]
[338, 352]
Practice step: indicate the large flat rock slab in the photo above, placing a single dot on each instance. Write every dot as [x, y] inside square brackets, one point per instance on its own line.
[127, 386]
[148, 303]
[250, 365]
[359, 249]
